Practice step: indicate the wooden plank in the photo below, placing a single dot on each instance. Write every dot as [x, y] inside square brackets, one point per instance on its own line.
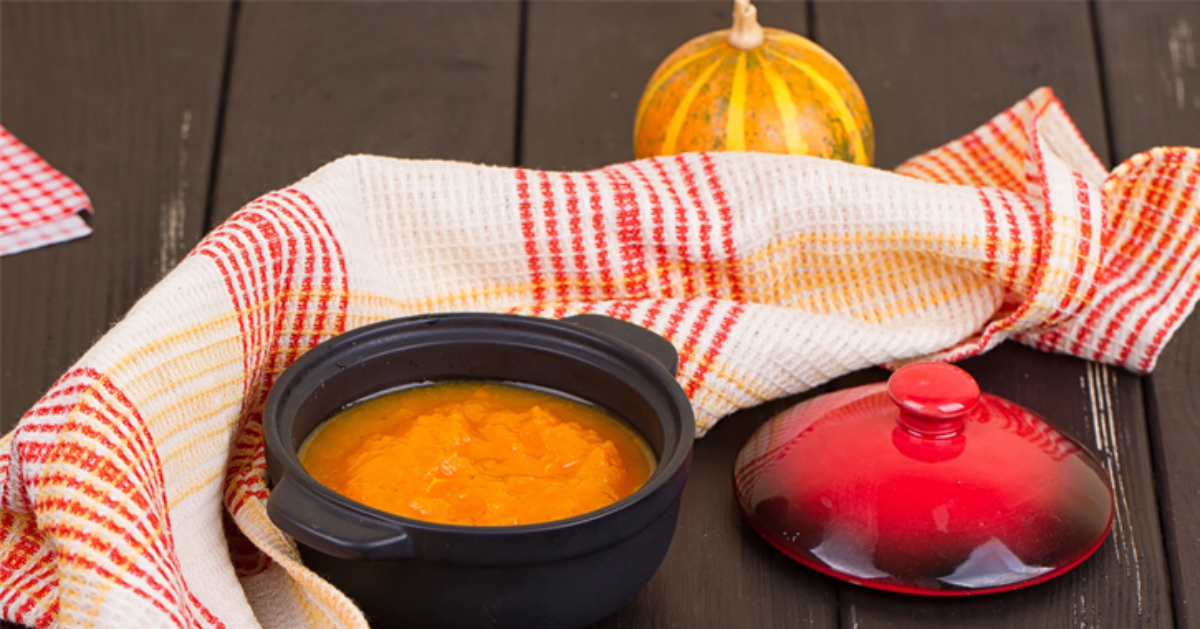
[588, 62]
[1151, 52]
[314, 81]
[719, 573]
[930, 72]
[123, 97]
[586, 66]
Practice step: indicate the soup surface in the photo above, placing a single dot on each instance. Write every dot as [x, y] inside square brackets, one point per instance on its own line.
[477, 453]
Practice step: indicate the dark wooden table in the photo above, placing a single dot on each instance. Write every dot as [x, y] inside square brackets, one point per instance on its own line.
[172, 115]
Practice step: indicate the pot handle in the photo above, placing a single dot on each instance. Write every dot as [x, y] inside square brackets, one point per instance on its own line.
[631, 334]
[334, 529]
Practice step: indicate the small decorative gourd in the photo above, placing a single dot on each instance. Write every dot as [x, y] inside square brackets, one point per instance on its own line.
[751, 88]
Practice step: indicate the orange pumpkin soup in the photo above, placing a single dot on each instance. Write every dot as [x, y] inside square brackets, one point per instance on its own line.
[477, 453]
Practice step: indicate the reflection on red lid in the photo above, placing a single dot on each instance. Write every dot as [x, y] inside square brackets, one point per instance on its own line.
[925, 486]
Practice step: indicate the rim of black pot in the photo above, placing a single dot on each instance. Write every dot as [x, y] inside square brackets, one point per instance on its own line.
[676, 451]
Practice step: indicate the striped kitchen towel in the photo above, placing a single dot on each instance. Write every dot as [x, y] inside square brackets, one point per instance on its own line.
[39, 206]
[133, 494]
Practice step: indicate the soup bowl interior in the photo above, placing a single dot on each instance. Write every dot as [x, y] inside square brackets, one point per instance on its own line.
[488, 361]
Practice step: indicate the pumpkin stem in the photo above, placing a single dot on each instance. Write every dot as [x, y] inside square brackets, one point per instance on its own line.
[746, 33]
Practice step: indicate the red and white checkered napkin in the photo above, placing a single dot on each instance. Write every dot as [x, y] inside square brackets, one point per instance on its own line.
[39, 206]
[134, 493]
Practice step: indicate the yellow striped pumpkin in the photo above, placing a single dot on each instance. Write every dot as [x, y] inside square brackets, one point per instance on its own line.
[784, 94]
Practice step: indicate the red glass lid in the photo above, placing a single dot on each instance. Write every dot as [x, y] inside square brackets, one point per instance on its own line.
[923, 485]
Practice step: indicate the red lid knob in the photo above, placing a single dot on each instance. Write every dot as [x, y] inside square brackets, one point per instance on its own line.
[934, 398]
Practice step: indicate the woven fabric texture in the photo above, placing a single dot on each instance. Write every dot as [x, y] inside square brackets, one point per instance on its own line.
[134, 492]
[39, 206]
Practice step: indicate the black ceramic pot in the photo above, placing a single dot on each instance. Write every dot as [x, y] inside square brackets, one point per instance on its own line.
[410, 573]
